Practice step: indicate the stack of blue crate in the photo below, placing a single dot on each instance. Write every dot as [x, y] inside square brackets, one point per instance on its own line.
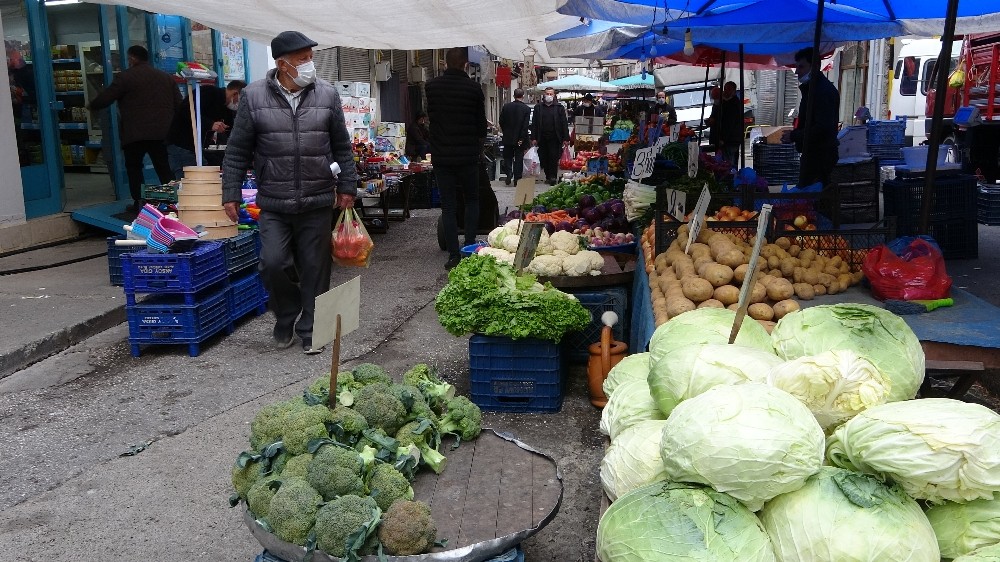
[246, 288]
[188, 298]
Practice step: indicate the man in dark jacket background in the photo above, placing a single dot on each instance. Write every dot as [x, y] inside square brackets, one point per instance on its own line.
[820, 150]
[456, 107]
[218, 107]
[147, 98]
[730, 124]
[290, 128]
[549, 132]
[514, 124]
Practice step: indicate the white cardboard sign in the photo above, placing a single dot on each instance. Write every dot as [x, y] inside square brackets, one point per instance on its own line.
[645, 158]
[524, 193]
[698, 218]
[345, 300]
[675, 131]
[676, 202]
[660, 143]
[693, 151]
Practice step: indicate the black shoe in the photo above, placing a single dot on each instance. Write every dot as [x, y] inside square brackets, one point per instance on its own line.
[308, 348]
[551, 182]
[452, 262]
[282, 337]
[506, 181]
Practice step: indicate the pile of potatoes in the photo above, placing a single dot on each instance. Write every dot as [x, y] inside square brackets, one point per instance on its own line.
[712, 272]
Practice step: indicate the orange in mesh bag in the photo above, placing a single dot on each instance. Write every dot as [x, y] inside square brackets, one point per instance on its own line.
[350, 243]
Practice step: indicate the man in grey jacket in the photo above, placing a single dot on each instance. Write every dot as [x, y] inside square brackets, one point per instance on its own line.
[290, 129]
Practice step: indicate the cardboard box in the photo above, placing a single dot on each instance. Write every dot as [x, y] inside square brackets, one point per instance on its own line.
[360, 135]
[349, 104]
[362, 89]
[773, 134]
[365, 105]
[388, 129]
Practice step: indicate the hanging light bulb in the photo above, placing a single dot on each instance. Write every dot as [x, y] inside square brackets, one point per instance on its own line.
[652, 50]
[642, 55]
[644, 73]
[688, 45]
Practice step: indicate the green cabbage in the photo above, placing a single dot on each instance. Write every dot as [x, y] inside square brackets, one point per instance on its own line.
[633, 459]
[635, 366]
[835, 385]
[935, 448]
[964, 527]
[985, 554]
[689, 371]
[751, 441]
[631, 403]
[705, 325]
[872, 332]
[844, 516]
[671, 521]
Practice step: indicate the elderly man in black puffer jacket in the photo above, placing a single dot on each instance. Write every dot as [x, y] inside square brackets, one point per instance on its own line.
[290, 128]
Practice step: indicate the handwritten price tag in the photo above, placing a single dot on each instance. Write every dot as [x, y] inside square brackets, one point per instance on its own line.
[643, 166]
[693, 151]
[675, 131]
[675, 202]
[660, 143]
[698, 218]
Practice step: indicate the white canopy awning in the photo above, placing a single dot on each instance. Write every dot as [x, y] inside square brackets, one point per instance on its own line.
[504, 27]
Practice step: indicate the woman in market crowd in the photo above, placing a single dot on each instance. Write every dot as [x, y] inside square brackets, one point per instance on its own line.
[819, 150]
[549, 132]
[418, 144]
[218, 107]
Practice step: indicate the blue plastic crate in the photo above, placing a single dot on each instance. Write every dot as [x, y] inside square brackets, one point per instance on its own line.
[615, 299]
[188, 272]
[168, 319]
[242, 251]
[887, 132]
[115, 260]
[246, 294]
[515, 375]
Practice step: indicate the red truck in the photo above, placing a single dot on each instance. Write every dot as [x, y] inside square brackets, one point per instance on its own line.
[980, 144]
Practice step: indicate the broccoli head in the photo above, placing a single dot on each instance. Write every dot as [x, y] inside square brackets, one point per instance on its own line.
[260, 495]
[346, 526]
[296, 466]
[380, 408]
[245, 476]
[414, 402]
[267, 425]
[302, 425]
[462, 418]
[388, 485]
[335, 471]
[292, 511]
[436, 391]
[425, 437]
[352, 422]
[370, 373]
[319, 391]
[407, 528]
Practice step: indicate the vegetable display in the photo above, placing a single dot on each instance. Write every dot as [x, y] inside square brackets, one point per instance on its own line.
[705, 325]
[566, 195]
[485, 296]
[347, 490]
[633, 459]
[962, 528]
[560, 253]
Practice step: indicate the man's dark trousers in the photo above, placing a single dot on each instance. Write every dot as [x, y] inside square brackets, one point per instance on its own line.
[549, 151]
[134, 151]
[513, 161]
[451, 179]
[288, 239]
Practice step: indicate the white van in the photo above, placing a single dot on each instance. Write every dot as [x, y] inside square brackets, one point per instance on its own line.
[911, 80]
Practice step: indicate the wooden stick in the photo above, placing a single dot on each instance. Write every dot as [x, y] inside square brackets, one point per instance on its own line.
[194, 123]
[335, 366]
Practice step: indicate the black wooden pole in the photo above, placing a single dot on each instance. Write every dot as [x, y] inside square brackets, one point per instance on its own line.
[743, 152]
[811, 93]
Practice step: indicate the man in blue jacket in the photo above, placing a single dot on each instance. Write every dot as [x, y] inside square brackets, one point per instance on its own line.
[456, 107]
[290, 129]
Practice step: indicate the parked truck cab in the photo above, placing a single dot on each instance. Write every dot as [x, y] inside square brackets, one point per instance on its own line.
[912, 84]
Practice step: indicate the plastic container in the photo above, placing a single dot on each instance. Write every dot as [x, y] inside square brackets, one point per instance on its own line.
[916, 156]
[515, 375]
[242, 251]
[170, 319]
[246, 294]
[467, 251]
[614, 299]
[188, 272]
[987, 206]
[954, 197]
[114, 260]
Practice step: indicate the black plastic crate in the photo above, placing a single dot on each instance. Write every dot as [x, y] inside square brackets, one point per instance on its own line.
[610, 299]
[855, 172]
[170, 319]
[188, 272]
[851, 244]
[858, 192]
[515, 375]
[887, 131]
[988, 205]
[954, 198]
[859, 213]
[242, 251]
[779, 163]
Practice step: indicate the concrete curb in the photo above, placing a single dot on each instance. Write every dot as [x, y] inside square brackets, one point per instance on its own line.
[61, 340]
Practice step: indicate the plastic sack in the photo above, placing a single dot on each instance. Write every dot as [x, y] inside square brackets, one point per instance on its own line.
[899, 245]
[350, 243]
[532, 165]
[957, 77]
[566, 158]
[918, 272]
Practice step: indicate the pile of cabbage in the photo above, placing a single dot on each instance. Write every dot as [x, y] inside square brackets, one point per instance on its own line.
[805, 444]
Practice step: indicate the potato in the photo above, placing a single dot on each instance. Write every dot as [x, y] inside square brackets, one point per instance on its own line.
[830, 270]
[663, 283]
[740, 272]
[785, 307]
[677, 307]
[682, 233]
[780, 289]
[732, 258]
[782, 254]
[804, 291]
[797, 274]
[826, 279]
[807, 254]
[788, 266]
[760, 311]
[835, 261]
[758, 293]
[784, 243]
[660, 303]
[718, 274]
[711, 303]
[845, 268]
[768, 325]
[820, 290]
[661, 261]
[810, 276]
[697, 249]
[733, 307]
[697, 289]
[727, 294]
[768, 250]
[705, 235]
[794, 250]
[844, 279]
[701, 263]
[857, 276]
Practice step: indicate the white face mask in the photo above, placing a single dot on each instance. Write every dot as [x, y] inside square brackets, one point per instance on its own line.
[306, 74]
[549, 99]
[233, 106]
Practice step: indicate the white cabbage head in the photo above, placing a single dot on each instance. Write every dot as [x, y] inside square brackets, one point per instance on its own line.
[633, 459]
[631, 403]
[964, 527]
[635, 366]
[705, 325]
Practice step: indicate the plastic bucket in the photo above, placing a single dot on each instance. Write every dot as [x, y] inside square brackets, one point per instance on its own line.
[916, 156]
[472, 249]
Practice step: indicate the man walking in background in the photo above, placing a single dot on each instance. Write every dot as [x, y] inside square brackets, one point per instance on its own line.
[456, 107]
[549, 132]
[514, 124]
[730, 124]
[147, 98]
[290, 128]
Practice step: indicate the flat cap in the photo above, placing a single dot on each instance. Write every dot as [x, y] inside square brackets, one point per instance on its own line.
[289, 42]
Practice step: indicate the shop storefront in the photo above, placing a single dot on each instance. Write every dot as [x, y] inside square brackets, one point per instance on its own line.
[60, 54]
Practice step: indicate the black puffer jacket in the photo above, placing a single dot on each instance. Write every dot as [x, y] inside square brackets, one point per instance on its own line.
[290, 153]
[456, 108]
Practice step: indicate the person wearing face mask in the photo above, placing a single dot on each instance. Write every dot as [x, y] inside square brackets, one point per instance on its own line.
[815, 134]
[218, 107]
[549, 132]
[588, 108]
[661, 107]
[290, 129]
[147, 99]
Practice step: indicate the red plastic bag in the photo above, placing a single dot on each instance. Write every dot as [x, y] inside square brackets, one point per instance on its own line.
[918, 273]
[350, 244]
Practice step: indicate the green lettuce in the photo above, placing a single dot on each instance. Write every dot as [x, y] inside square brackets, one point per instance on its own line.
[484, 296]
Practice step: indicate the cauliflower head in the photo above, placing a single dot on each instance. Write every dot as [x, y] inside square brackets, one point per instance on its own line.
[510, 242]
[545, 246]
[499, 254]
[514, 226]
[546, 266]
[491, 238]
[596, 259]
[576, 265]
[565, 241]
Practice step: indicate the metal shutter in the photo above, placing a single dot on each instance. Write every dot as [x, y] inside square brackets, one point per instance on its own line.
[328, 64]
[767, 97]
[791, 95]
[425, 59]
[355, 65]
[400, 63]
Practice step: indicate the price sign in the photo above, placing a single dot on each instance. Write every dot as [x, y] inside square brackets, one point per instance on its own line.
[675, 131]
[693, 151]
[751, 275]
[531, 233]
[660, 143]
[344, 301]
[675, 203]
[643, 165]
[698, 218]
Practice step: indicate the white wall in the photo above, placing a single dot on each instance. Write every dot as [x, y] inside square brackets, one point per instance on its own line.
[11, 191]
[258, 60]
